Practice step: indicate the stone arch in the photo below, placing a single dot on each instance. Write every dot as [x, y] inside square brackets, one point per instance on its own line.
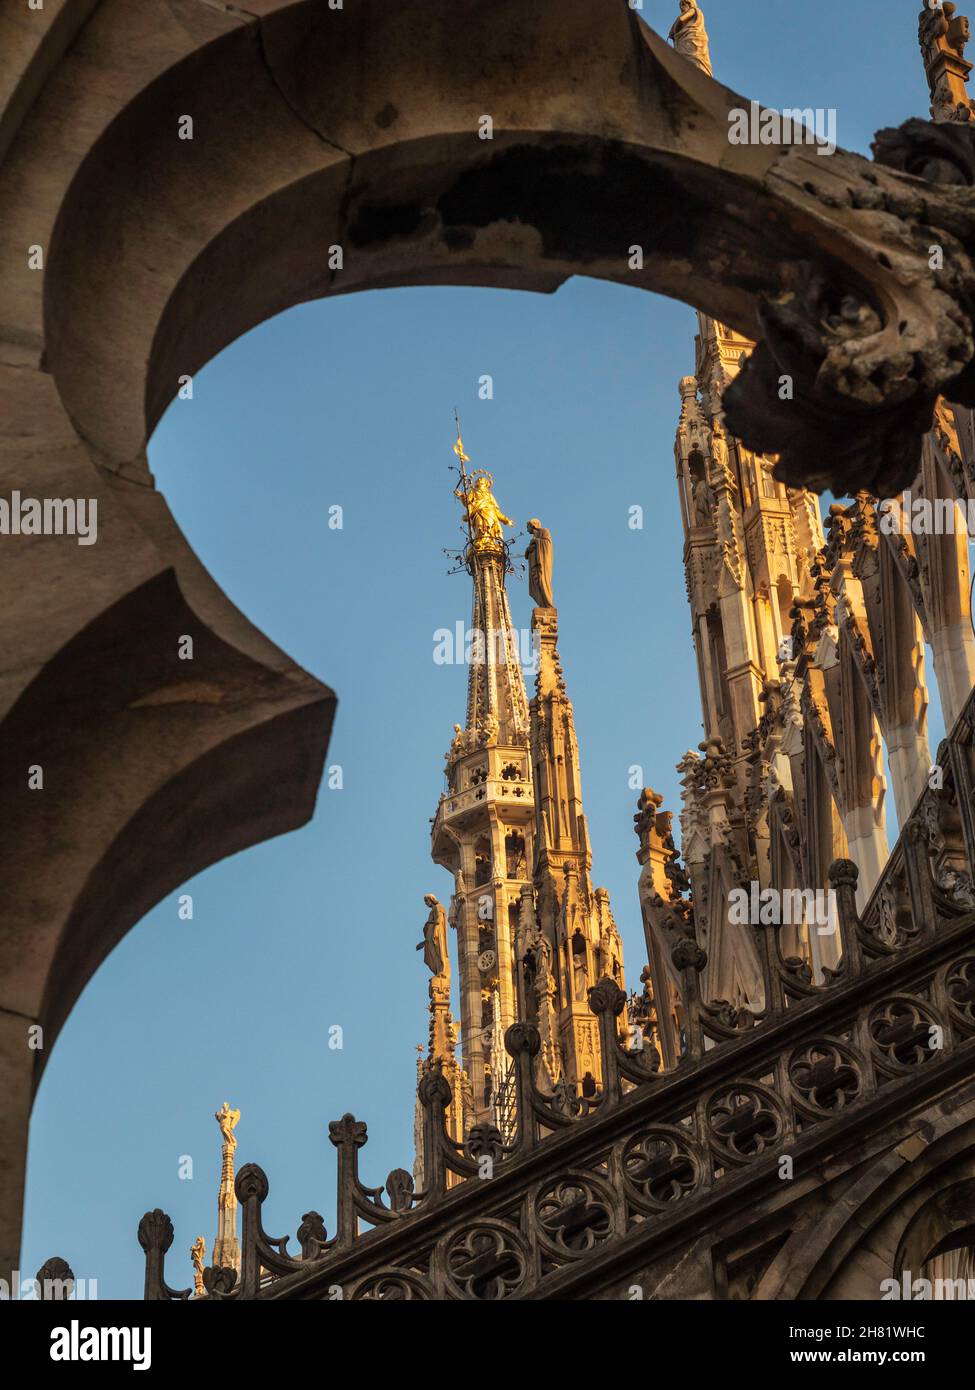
[900, 1199]
[944, 1221]
[313, 129]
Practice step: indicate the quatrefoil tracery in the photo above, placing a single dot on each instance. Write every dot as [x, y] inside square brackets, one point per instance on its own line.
[825, 1075]
[392, 1286]
[744, 1122]
[574, 1214]
[486, 1262]
[661, 1166]
[905, 1033]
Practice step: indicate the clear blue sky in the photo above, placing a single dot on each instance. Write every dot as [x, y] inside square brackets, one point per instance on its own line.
[351, 402]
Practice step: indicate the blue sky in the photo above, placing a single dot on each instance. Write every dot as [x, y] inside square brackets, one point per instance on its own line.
[350, 402]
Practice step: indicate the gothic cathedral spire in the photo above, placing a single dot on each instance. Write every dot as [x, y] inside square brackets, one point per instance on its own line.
[533, 935]
[483, 829]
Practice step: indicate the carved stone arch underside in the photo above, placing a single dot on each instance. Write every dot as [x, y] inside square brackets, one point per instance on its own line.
[942, 1223]
[892, 1217]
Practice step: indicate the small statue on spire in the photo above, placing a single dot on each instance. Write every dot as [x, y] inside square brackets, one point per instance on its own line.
[539, 557]
[482, 513]
[227, 1119]
[458, 747]
[434, 943]
[198, 1252]
[689, 36]
[226, 1247]
[940, 27]
[942, 34]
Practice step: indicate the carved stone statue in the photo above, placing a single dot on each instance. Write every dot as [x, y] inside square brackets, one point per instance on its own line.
[610, 951]
[457, 749]
[943, 35]
[719, 448]
[580, 967]
[484, 516]
[434, 943]
[689, 36]
[198, 1251]
[525, 929]
[959, 29]
[939, 28]
[703, 501]
[539, 557]
[488, 728]
[227, 1120]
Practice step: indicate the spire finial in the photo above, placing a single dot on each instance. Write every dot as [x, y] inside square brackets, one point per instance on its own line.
[462, 492]
[459, 446]
[226, 1248]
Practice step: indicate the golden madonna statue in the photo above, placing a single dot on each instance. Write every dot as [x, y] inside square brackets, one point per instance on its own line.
[482, 513]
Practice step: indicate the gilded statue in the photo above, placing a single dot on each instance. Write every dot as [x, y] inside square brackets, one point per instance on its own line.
[484, 517]
[539, 557]
[689, 36]
[227, 1120]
